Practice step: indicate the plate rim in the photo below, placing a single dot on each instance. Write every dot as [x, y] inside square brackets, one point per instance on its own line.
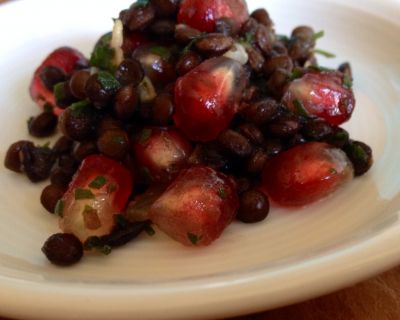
[353, 257]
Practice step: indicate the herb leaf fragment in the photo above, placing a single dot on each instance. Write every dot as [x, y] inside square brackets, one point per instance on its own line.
[108, 81]
[98, 182]
[194, 238]
[81, 194]
[103, 54]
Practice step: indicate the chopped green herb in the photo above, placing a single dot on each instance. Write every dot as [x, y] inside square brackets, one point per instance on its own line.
[318, 35]
[342, 135]
[103, 54]
[98, 182]
[319, 68]
[247, 39]
[46, 145]
[145, 135]
[106, 249]
[48, 108]
[296, 74]
[299, 108]
[93, 242]
[83, 194]
[194, 239]
[192, 42]
[97, 244]
[59, 91]
[333, 171]
[347, 82]
[59, 209]
[141, 3]
[111, 188]
[118, 140]
[324, 53]
[222, 193]
[163, 52]
[80, 106]
[358, 152]
[29, 121]
[108, 81]
[149, 230]
[88, 209]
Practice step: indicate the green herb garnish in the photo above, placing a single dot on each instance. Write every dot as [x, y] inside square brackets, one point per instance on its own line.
[59, 209]
[192, 42]
[194, 239]
[347, 82]
[299, 108]
[149, 230]
[324, 53]
[97, 244]
[59, 92]
[247, 39]
[118, 140]
[141, 3]
[111, 188]
[81, 194]
[48, 108]
[108, 81]
[163, 52]
[319, 68]
[222, 193]
[296, 74]
[80, 106]
[145, 135]
[98, 182]
[103, 54]
[333, 171]
[318, 35]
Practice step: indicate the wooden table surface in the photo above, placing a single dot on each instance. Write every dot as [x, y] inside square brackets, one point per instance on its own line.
[374, 299]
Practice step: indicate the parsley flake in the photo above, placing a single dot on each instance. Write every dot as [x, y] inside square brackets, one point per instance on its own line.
[97, 244]
[318, 35]
[163, 52]
[141, 3]
[296, 74]
[111, 188]
[80, 106]
[48, 108]
[150, 231]
[324, 53]
[299, 108]
[145, 135]
[103, 54]
[59, 91]
[247, 39]
[118, 140]
[194, 239]
[108, 81]
[222, 193]
[333, 171]
[347, 82]
[98, 182]
[81, 194]
[319, 68]
[192, 42]
[59, 209]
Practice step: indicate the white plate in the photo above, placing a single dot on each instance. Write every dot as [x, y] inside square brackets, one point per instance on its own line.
[293, 255]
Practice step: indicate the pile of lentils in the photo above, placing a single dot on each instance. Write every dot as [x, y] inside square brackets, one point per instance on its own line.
[261, 129]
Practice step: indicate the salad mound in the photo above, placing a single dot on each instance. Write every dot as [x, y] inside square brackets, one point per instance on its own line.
[188, 115]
